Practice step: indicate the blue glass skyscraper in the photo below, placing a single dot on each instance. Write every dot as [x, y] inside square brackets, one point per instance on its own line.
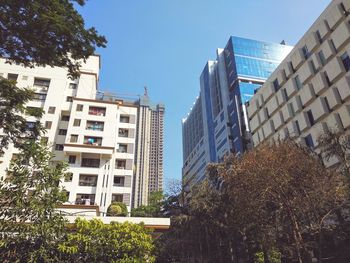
[248, 64]
[217, 124]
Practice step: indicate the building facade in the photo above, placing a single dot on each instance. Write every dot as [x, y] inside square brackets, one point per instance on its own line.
[217, 124]
[149, 153]
[96, 135]
[309, 93]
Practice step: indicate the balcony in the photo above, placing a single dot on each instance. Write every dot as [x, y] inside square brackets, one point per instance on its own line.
[88, 147]
[120, 164]
[85, 199]
[94, 125]
[98, 111]
[88, 180]
[119, 181]
[123, 133]
[94, 141]
[88, 162]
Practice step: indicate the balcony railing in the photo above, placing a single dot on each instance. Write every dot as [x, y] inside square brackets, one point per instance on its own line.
[87, 183]
[97, 111]
[95, 163]
[93, 141]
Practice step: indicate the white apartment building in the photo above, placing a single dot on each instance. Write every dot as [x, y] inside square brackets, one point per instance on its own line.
[97, 138]
[309, 92]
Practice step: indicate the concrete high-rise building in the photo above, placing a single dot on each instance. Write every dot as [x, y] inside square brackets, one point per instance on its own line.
[309, 93]
[149, 152]
[217, 124]
[97, 135]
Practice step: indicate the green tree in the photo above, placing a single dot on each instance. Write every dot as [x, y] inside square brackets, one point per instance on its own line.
[30, 225]
[154, 207]
[12, 112]
[274, 203]
[46, 32]
[117, 209]
[93, 241]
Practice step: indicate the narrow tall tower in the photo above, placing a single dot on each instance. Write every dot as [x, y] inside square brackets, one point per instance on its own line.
[149, 151]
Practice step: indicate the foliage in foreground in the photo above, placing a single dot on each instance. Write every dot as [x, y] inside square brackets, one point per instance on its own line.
[12, 111]
[153, 209]
[277, 203]
[46, 32]
[94, 241]
[30, 193]
[117, 209]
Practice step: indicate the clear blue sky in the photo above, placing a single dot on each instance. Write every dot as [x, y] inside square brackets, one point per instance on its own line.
[165, 44]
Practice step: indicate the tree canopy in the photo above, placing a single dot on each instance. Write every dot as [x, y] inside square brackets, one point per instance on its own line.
[276, 203]
[46, 32]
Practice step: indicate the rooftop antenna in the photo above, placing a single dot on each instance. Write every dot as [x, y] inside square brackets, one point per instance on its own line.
[145, 91]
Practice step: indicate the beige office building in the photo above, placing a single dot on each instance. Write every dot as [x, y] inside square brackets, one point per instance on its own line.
[309, 92]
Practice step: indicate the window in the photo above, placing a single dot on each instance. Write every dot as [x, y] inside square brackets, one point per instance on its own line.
[120, 164]
[51, 110]
[343, 8]
[87, 162]
[327, 104]
[68, 177]
[318, 35]
[87, 180]
[309, 142]
[95, 125]
[346, 61]
[327, 78]
[117, 198]
[276, 85]
[297, 126]
[76, 122]
[62, 132]
[122, 148]
[30, 125]
[80, 107]
[11, 76]
[322, 58]
[96, 141]
[48, 124]
[298, 82]
[41, 82]
[72, 159]
[85, 199]
[59, 147]
[65, 118]
[124, 119]
[97, 111]
[332, 45]
[311, 117]
[73, 85]
[123, 133]
[284, 92]
[69, 99]
[74, 138]
[39, 96]
[312, 64]
[118, 181]
[306, 52]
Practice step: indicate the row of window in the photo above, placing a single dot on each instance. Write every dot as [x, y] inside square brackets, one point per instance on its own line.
[38, 82]
[91, 179]
[89, 199]
[119, 163]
